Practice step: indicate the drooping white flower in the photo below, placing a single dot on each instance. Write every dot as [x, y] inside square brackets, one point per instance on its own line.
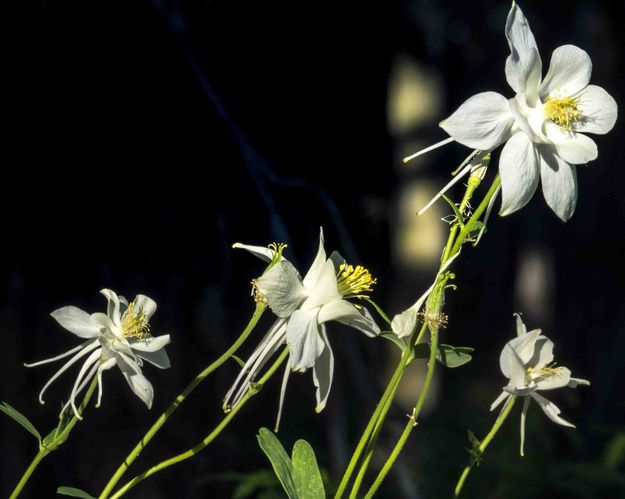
[303, 307]
[120, 337]
[527, 362]
[541, 125]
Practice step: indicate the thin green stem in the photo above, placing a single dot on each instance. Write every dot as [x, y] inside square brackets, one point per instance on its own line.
[413, 418]
[43, 452]
[134, 453]
[389, 393]
[477, 453]
[462, 237]
[59, 439]
[211, 436]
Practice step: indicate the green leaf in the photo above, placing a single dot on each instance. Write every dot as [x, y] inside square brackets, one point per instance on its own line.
[282, 465]
[447, 355]
[19, 418]
[238, 360]
[454, 356]
[74, 492]
[389, 335]
[307, 476]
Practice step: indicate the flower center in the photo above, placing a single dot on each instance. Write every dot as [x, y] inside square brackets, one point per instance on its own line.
[277, 249]
[134, 323]
[543, 373]
[354, 282]
[563, 111]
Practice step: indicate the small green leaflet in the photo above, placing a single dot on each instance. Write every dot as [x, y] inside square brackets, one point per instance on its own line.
[19, 418]
[308, 480]
[282, 465]
[73, 492]
[300, 477]
[447, 355]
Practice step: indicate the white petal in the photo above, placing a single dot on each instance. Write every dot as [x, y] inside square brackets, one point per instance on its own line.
[337, 260]
[102, 322]
[525, 346]
[526, 405]
[481, 122]
[281, 285]
[151, 344]
[311, 277]
[543, 353]
[347, 313]
[523, 65]
[599, 110]
[81, 380]
[502, 396]
[262, 252]
[520, 325]
[76, 321]
[336, 310]
[85, 349]
[159, 358]
[302, 336]
[512, 367]
[113, 305]
[136, 380]
[285, 382]
[518, 167]
[559, 183]
[574, 148]
[146, 305]
[551, 410]
[559, 378]
[362, 321]
[265, 349]
[323, 372]
[575, 382]
[325, 290]
[569, 72]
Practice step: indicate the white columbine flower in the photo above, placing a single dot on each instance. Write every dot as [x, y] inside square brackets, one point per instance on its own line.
[303, 307]
[527, 362]
[120, 337]
[540, 125]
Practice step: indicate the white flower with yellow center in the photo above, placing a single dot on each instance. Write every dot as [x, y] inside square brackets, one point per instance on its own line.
[527, 362]
[120, 337]
[541, 125]
[303, 307]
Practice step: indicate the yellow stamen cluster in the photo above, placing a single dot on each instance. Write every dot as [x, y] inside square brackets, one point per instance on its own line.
[134, 323]
[563, 111]
[354, 282]
[542, 373]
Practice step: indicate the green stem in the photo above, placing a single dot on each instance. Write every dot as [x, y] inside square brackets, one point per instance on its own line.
[43, 452]
[134, 453]
[476, 215]
[413, 418]
[368, 439]
[480, 450]
[211, 436]
[59, 439]
[388, 394]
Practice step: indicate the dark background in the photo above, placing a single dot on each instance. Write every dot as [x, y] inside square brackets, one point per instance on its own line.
[143, 138]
